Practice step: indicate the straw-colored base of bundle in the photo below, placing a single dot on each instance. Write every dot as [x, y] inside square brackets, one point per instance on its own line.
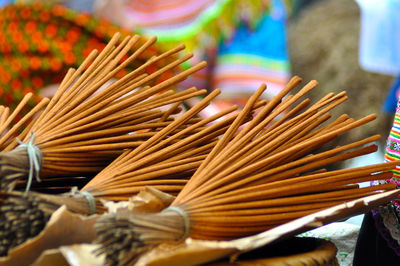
[21, 218]
[24, 215]
[290, 252]
[13, 167]
[118, 244]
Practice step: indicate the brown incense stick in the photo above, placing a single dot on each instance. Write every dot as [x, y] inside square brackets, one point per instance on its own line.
[258, 176]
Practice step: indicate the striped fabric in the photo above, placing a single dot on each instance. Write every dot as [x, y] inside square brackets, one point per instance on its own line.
[186, 21]
[387, 218]
[393, 145]
[253, 57]
[243, 42]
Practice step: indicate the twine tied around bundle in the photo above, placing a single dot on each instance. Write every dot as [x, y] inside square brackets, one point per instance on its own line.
[185, 217]
[91, 201]
[35, 159]
[89, 198]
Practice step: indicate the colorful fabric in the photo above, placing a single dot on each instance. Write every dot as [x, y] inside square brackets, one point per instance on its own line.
[388, 226]
[197, 23]
[39, 43]
[389, 106]
[243, 42]
[241, 66]
[393, 145]
[387, 218]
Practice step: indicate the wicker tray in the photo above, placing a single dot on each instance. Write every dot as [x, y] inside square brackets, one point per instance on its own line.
[293, 251]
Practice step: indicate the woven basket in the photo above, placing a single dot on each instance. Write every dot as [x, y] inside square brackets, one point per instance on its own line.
[291, 252]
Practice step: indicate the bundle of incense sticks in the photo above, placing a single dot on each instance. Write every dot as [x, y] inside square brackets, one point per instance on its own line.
[90, 120]
[168, 159]
[255, 178]
[165, 161]
[24, 215]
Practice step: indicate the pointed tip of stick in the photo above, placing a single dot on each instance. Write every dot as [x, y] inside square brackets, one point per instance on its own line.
[187, 57]
[216, 91]
[296, 79]
[202, 64]
[181, 46]
[135, 37]
[372, 116]
[29, 95]
[376, 137]
[116, 35]
[93, 53]
[153, 39]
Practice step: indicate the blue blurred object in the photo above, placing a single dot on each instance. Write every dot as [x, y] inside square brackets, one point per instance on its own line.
[380, 36]
[389, 106]
[5, 2]
[268, 39]
[80, 5]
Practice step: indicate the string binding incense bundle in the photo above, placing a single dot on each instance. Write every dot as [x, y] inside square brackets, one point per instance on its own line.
[92, 118]
[256, 178]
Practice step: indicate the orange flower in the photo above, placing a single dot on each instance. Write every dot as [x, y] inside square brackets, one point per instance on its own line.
[69, 58]
[12, 27]
[37, 36]
[30, 26]
[51, 30]
[58, 10]
[17, 36]
[37, 82]
[16, 84]
[6, 48]
[45, 16]
[5, 77]
[55, 64]
[15, 64]
[25, 13]
[35, 62]
[23, 46]
[73, 35]
[10, 12]
[43, 47]
[64, 46]
[82, 19]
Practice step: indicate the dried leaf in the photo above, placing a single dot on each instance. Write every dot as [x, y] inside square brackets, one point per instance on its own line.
[147, 200]
[74, 255]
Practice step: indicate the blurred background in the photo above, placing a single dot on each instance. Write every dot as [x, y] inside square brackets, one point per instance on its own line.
[349, 45]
